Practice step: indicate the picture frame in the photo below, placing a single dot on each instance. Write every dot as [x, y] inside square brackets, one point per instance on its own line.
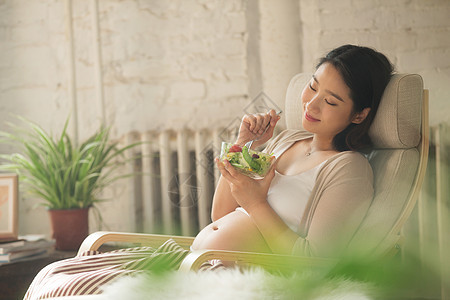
[8, 207]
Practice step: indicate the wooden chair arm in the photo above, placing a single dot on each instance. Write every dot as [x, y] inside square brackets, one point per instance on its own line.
[96, 239]
[193, 261]
[270, 262]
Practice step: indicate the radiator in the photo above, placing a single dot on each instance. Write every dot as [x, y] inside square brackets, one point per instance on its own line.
[175, 178]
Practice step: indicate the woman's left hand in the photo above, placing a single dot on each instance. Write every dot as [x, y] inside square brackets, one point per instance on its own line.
[247, 191]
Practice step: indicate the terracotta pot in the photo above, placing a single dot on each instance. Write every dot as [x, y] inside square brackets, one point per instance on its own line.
[70, 227]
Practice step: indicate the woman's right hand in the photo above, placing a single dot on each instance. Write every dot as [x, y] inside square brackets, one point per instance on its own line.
[253, 126]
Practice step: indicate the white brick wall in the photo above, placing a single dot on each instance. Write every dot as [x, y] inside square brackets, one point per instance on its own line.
[415, 35]
[172, 53]
[164, 61]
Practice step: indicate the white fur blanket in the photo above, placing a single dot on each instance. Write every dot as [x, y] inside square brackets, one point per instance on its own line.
[234, 284]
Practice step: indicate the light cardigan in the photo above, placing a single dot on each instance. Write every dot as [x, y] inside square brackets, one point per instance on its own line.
[338, 202]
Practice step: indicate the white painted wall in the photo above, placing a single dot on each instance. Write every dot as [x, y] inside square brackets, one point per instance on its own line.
[191, 63]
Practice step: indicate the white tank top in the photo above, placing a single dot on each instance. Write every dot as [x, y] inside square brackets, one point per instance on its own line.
[289, 194]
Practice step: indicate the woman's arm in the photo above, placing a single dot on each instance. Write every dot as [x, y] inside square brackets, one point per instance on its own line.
[343, 195]
[223, 201]
[343, 205]
[251, 125]
[278, 236]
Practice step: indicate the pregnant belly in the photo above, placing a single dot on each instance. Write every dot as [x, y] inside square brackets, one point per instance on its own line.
[235, 231]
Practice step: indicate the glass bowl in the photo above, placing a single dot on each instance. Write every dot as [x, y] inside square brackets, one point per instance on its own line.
[249, 162]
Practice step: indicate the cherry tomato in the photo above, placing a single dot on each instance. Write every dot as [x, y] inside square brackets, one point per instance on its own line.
[235, 148]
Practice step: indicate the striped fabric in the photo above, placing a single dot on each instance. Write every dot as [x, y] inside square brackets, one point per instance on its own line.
[214, 265]
[87, 273]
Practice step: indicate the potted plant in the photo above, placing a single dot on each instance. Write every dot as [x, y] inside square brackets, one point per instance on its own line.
[66, 177]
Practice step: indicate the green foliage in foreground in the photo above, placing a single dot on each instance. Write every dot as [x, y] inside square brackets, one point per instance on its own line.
[64, 175]
[350, 277]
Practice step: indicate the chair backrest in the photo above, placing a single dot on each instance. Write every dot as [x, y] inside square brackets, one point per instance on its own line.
[400, 136]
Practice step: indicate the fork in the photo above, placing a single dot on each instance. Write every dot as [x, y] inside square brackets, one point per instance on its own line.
[250, 143]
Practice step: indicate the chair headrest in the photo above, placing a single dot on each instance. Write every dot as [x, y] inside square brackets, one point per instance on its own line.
[397, 123]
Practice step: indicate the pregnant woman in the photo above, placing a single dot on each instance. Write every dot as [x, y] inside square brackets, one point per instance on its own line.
[317, 193]
[310, 203]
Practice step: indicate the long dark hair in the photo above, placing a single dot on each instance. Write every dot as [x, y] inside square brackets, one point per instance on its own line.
[367, 73]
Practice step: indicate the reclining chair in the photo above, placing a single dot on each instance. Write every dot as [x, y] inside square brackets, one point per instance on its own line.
[400, 136]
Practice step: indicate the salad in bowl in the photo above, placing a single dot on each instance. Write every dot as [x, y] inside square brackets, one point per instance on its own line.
[252, 163]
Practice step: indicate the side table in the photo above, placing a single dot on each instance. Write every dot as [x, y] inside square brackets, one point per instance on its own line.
[16, 277]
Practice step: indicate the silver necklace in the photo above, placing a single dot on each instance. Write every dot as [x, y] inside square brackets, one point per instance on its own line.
[311, 152]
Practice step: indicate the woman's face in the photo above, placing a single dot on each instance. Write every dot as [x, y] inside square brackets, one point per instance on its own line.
[326, 102]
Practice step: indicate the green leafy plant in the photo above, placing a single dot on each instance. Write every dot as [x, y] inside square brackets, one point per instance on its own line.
[57, 171]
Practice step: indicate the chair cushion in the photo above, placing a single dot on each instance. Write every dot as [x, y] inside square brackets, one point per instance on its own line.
[398, 120]
[394, 172]
[293, 105]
